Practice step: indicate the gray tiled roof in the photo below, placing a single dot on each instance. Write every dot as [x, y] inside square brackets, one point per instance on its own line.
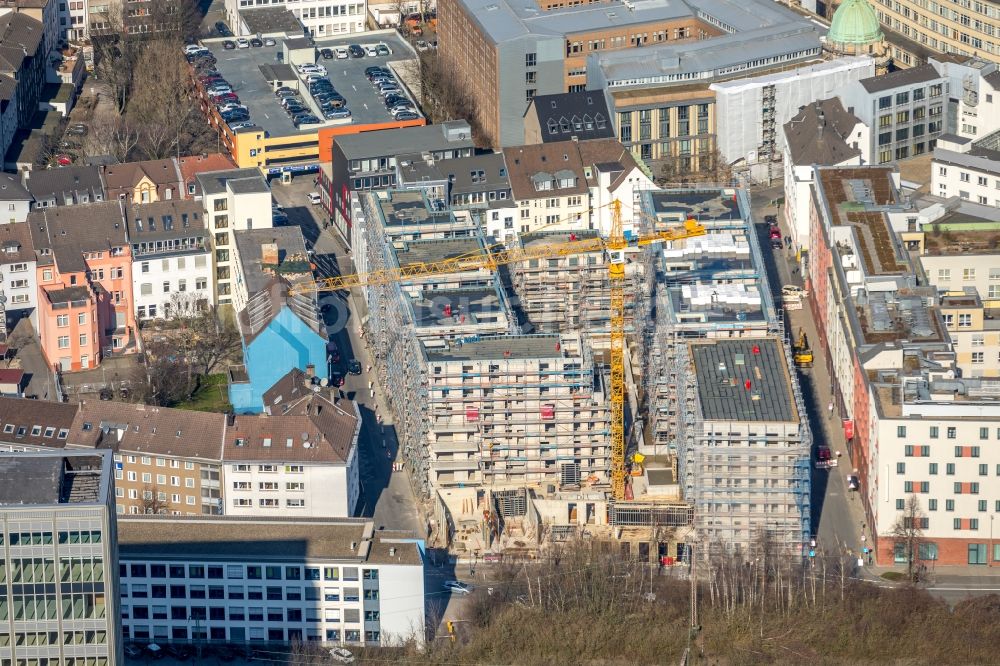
[11, 188]
[404, 139]
[69, 231]
[901, 78]
[818, 134]
[44, 184]
[183, 217]
[242, 180]
[572, 114]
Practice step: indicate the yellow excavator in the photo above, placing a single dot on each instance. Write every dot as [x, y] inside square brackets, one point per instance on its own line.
[801, 352]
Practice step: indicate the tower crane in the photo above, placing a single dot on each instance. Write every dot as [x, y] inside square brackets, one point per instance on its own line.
[614, 246]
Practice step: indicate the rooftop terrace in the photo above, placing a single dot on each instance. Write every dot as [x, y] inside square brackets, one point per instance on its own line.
[672, 207]
[457, 307]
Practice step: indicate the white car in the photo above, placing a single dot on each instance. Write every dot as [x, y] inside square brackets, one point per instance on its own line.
[232, 106]
[312, 69]
[269, 41]
[342, 655]
[241, 126]
[457, 587]
[242, 43]
[193, 48]
[341, 52]
[371, 51]
[315, 199]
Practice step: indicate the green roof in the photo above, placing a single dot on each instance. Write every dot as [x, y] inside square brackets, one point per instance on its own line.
[855, 22]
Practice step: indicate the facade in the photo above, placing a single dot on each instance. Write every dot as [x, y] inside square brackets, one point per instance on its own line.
[906, 111]
[750, 113]
[958, 252]
[320, 18]
[918, 30]
[234, 200]
[368, 161]
[822, 134]
[171, 258]
[970, 173]
[334, 582]
[65, 186]
[747, 407]
[663, 101]
[84, 272]
[15, 200]
[23, 58]
[20, 275]
[58, 521]
[974, 87]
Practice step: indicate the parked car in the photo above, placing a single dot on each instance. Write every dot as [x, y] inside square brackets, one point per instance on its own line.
[371, 51]
[242, 43]
[354, 366]
[391, 90]
[229, 45]
[133, 651]
[341, 53]
[305, 119]
[235, 117]
[383, 50]
[178, 652]
[342, 655]
[314, 198]
[225, 97]
[776, 244]
[407, 115]
[256, 43]
[290, 101]
[326, 53]
[284, 91]
[371, 72]
[279, 218]
[457, 587]
[236, 127]
[232, 106]
[269, 41]
[337, 114]
[154, 651]
[63, 160]
[356, 51]
[774, 231]
[193, 48]
[771, 219]
[222, 29]
[79, 129]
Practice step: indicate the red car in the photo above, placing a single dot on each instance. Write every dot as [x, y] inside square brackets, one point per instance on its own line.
[64, 160]
[774, 232]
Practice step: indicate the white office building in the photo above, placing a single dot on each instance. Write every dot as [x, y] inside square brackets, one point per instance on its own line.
[233, 580]
[321, 18]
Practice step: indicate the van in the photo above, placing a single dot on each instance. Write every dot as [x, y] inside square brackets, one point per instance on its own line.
[315, 199]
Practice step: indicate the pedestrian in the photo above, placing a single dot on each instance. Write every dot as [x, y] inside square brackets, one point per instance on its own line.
[830, 409]
[870, 561]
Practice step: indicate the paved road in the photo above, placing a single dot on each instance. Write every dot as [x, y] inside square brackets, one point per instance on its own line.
[837, 517]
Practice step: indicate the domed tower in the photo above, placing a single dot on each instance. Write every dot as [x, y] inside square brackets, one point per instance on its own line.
[855, 30]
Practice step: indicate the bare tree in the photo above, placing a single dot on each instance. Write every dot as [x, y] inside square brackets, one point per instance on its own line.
[115, 52]
[165, 111]
[152, 502]
[443, 95]
[208, 340]
[111, 134]
[908, 532]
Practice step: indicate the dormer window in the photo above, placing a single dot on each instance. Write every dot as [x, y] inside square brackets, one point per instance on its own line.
[553, 126]
[601, 122]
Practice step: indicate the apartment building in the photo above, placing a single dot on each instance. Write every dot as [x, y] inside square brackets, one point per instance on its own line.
[748, 409]
[568, 116]
[58, 523]
[171, 258]
[65, 186]
[144, 182]
[84, 272]
[288, 465]
[262, 255]
[959, 252]
[233, 200]
[18, 269]
[269, 580]
[368, 160]
[516, 410]
[573, 185]
[476, 182]
[918, 28]
[966, 169]
[15, 199]
[906, 111]
[974, 332]
[319, 18]
[820, 134]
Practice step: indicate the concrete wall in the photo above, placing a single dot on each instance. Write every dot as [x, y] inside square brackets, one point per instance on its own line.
[512, 86]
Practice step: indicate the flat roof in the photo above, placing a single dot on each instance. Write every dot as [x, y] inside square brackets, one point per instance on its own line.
[901, 78]
[270, 21]
[404, 208]
[51, 478]
[500, 347]
[242, 69]
[272, 539]
[436, 249]
[450, 307]
[702, 205]
[724, 367]
[449, 135]
[240, 181]
[293, 260]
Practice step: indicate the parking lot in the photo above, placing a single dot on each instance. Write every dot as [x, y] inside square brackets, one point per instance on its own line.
[241, 69]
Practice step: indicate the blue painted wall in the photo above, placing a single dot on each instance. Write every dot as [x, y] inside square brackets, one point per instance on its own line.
[286, 343]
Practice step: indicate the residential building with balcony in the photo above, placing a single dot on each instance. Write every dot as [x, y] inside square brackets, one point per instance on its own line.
[234, 200]
[60, 603]
[84, 272]
[171, 258]
[269, 580]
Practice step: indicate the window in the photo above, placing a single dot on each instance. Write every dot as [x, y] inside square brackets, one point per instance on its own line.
[932, 505]
[949, 469]
[933, 468]
[63, 342]
[900, 504]
[934, 430]
[952, 433]
[977, 551]
[901, 469]
[949, 505]
[530, 59]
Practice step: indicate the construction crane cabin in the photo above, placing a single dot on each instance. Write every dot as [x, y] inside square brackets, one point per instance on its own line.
[615, 246]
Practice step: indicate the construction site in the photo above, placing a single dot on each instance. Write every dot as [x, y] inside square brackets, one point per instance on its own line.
[536, 399]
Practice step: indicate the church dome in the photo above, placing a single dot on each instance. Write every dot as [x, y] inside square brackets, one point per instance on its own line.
[855, 22]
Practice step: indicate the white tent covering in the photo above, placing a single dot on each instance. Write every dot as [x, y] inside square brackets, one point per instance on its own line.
[720, 294]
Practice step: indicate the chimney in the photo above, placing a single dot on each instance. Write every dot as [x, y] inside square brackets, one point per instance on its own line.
[269, 253]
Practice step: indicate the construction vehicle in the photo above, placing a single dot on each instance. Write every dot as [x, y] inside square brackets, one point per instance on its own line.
[637, 463]
[801, 352]
[614, 246]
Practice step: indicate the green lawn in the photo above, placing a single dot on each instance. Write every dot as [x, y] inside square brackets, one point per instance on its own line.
[212, 395]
